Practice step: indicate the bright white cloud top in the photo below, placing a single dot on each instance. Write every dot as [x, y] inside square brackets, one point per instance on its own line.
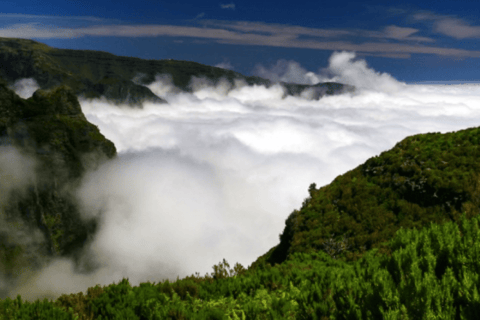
[213, 174]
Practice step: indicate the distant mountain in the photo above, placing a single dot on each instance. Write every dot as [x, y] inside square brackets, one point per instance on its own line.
[94, 73]
[425, 178]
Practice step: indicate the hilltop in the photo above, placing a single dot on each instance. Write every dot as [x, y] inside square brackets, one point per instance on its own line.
[425, 178]
[93, 74]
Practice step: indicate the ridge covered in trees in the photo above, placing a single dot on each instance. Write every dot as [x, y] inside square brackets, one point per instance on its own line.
[93, 74]
[425, 178]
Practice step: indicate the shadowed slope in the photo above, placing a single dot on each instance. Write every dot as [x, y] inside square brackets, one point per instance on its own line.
[50, 129]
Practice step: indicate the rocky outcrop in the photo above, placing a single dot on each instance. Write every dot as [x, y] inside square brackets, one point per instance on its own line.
[49, 129]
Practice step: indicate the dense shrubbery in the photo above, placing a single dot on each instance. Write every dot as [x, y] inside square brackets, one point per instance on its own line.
[430, 274]
[424, 178]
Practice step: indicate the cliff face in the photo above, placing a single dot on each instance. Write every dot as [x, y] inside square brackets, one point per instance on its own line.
[93, 74]
[49, 129]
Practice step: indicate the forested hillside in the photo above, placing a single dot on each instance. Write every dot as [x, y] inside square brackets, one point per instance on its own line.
[51, 131]
[93, 74]
[425, 178]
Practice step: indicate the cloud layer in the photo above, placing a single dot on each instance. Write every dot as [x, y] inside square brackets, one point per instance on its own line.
[213, 174]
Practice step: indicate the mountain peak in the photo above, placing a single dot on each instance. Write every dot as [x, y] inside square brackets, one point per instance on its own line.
[57, 101]
[425, 178]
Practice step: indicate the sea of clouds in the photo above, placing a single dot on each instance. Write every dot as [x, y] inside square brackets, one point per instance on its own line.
[214, 173]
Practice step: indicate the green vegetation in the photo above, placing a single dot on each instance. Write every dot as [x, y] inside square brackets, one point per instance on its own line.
[425, 178]
[430, 274]
[51, 128]
[93, 74]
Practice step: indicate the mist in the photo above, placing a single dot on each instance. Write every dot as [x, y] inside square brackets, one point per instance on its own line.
[214, 173]
[17, 172]
[25, 87]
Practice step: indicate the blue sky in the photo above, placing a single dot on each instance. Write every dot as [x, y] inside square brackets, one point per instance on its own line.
[413, 41]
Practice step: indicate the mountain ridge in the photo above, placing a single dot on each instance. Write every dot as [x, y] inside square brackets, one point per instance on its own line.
[93, 74]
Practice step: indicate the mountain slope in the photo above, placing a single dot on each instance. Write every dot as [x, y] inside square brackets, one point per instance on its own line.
[425, 178]
[94, 73]
[49, 129]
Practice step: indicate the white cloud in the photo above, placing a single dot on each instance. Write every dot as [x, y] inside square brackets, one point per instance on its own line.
[261, 34]
[16, 171]
[36, 30]
[230, 5]
[399, 33]
[275, 28]
[25, 87]
[215, 173]
[52, 17]
[457, 29]
[451, 26]
[163, 85]
[290, 72]
[357, 73]
[225, 65]
[342, 68]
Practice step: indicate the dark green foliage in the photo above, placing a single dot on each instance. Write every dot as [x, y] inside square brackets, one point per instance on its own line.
[424, 178]
[39, 310]
[116, 302]
[93, 74]
[403, 285]
[79, 303]
[50, 128]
